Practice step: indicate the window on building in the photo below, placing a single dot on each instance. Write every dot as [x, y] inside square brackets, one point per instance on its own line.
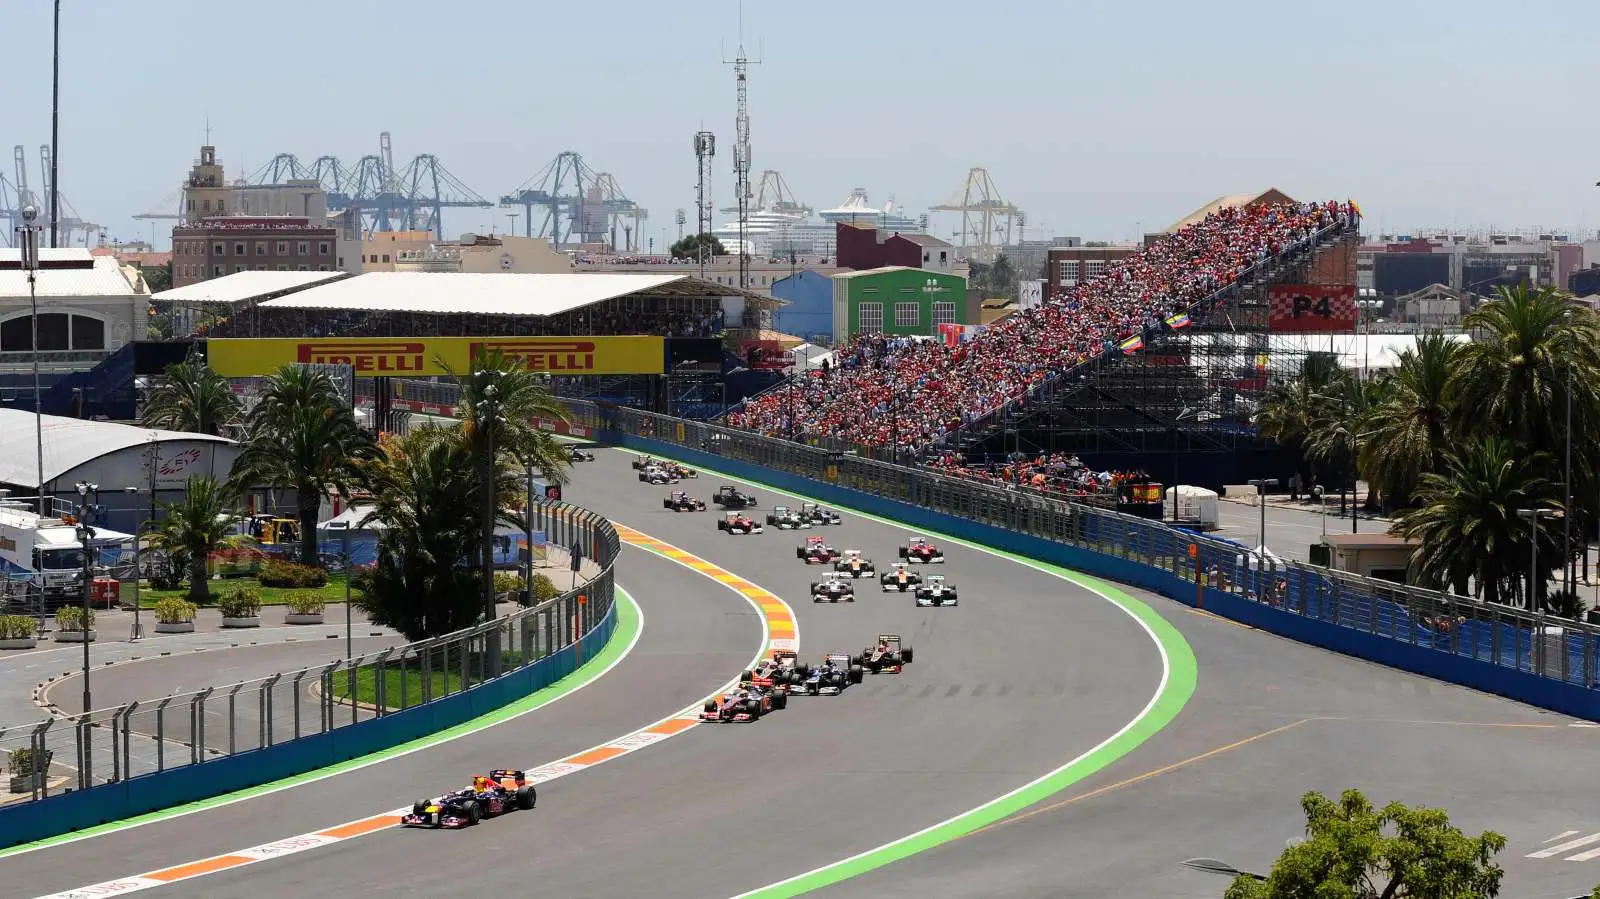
[386, 257]
[944, 257]
[54, 330]
[925, 258]
[261, 248]
[283, 267]
[222, 205]
[1093, 268]
[373, 258]
[944, 312]
[283, 248]
[240, 268]
[16, 334]
[191, 204]
[216, 270]
[238, 249]
[323, 248]
[870, 317]
[261, 268]
[205, 205]
[302, 267]
[218, 248]
[303, 248]
[907, 315]
[88, 333]
[323, 267]
[1069, 271]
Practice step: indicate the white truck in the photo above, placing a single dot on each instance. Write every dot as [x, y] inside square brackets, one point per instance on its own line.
[45, 551]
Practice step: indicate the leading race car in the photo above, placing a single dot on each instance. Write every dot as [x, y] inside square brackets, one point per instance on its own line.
[785, 518]
[936, 592]
[853, 564]
[738, 523]
[679, 470]
[888, 654]
[643, 462]
[835, 586]
[576, 453]
[655, 474]
[746, 702]
[814, 514]
[830, 677]
[816, 551]
[496, 793]
[900, 578]
[732, 498]
[678, 501]
[780, 671]
[918, 549]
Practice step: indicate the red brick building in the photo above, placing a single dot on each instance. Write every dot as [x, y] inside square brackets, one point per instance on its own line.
[1071, 266]
[862, 247]
[214, 247]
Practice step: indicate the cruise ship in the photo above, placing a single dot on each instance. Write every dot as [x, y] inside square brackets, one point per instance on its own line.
[779, 232]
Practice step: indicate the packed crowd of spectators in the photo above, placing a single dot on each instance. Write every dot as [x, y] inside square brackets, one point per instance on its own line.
[269, 322]
[911, 393]
[1058, 474]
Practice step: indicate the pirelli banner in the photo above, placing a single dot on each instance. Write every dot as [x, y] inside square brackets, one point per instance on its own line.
[402, 357]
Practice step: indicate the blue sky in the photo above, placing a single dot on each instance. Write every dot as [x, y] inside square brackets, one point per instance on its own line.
[1099, 119]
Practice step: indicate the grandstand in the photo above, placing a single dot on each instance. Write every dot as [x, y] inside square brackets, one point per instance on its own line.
[1166, 355]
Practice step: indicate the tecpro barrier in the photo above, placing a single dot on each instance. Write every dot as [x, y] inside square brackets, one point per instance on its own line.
[474, 672]
[1479, 645]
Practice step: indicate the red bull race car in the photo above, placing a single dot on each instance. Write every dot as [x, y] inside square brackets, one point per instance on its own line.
[853, 564]
[738, 523]
[746, 702]
[918, 549]
[816, 552]
[678, 501]
[500, 791]
[900, 578]
[886, 655]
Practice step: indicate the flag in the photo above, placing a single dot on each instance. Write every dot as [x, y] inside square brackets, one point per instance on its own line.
[1133, 344]
[1181, 320]
[1261, 362]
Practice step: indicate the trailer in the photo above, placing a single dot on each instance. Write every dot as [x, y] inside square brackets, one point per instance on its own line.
[46, 553]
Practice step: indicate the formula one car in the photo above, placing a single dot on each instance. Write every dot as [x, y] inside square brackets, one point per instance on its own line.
[785, 518]
[732, 498]
[678, 501]
[643, 462]
[935, 592]
[679, 470]
[738, 523]
[577, 454]
[829, 678]
[815, 551]
[500, 791]
[814, 514]
[746, 702]
[835, 586]
[888, 654]
[919, 550]
[657, 475]
[854, 565]
[780, 672]
[900, 578]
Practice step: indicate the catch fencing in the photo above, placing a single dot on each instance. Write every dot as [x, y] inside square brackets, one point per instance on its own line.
[114, 745]
[1541, 644]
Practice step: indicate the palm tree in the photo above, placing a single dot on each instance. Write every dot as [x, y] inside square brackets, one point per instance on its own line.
[1466, 523]
[192, 398]
[303, 436]
[1409, 425]
[195, 527]
[428, 496]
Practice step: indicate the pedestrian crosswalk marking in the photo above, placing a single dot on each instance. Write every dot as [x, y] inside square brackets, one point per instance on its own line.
[1570, 845]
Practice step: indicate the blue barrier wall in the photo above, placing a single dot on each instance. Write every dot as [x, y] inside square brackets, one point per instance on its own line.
[1314, 627]
[25, 822]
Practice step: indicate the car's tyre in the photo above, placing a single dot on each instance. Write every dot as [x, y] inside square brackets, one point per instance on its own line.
[419, 807]
[836, 679]
[711, 706]
[526, 797]
[753, 707]
[780, 700]
[856, 673]
[474, 813]
[746, 677]
[905, 655]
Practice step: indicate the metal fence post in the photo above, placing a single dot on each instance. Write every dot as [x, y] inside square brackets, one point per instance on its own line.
[299, 678]
[380, 678]
[127, 733]
[264, 709]
[39, 776]
[233, 725]
[197, 728]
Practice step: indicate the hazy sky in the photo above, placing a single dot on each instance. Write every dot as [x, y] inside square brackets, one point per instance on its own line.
[1099, 119]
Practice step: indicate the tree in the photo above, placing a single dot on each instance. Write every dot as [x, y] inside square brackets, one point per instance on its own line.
[158, 277]
[1411, 421]
[1353, 851]
[303, 436]
[426, 493]
[1292, 409]
[194, 527]
[192, 398]
[692, 246]
[1465, 520]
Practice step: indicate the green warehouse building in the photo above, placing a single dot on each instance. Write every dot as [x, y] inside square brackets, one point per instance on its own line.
[900, 301]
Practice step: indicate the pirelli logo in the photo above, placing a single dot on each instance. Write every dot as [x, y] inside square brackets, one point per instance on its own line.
[368, 358]
[557, 355]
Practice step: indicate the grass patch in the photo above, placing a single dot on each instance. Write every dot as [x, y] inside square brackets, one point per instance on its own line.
[332, 592]
[367, 684]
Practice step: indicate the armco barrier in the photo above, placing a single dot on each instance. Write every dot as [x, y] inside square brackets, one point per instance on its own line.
[1485, 647]
[123, 797]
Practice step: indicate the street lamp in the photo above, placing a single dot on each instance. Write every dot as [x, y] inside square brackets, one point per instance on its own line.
[489, 418]
[1185, 413]
[1533, 516]
[86, 537]
[28, 240]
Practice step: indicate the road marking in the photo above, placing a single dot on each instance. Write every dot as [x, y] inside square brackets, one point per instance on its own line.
[1568, 846]
[1563, 834]
[776, 617]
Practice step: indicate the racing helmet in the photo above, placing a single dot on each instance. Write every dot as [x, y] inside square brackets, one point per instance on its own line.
[481, 783]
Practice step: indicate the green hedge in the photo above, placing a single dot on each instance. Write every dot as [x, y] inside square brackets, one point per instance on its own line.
[240, 601]
[172, 610]
[16, 627]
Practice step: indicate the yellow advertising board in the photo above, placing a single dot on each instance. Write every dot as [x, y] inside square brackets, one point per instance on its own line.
[403, 357]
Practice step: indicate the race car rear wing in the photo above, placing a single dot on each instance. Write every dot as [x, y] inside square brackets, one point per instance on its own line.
[504, 774]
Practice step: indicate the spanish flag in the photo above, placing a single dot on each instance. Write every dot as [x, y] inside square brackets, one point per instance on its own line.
[1132, 344]
[1181, 320]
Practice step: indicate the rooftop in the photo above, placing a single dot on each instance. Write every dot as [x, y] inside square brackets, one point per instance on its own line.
[240, 287]
[894, 268]
[64, 272]
[924, 240]
[1231, 201]
[69, 443]
[498, 293]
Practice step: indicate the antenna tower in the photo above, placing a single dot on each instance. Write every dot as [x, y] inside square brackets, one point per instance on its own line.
[705, 147]
[741, 152]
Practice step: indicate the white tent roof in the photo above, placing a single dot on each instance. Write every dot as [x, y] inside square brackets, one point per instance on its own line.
[69, 443]
[91, 276]
[240, 287]
[355, 518]
[472, 293]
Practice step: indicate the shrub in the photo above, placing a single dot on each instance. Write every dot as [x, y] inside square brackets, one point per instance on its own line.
[174, 610]
[279, 573]
[508, 582]
[16, 627]
[71, 618]
[240, 602]
[544, 588]
[304, 602]
[26, 761]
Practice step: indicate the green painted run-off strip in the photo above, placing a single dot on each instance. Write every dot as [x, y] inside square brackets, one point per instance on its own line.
[1177, 687]
[622, 639]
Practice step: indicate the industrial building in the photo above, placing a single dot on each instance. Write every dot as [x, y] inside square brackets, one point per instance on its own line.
[899, 301]
[88, 309]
